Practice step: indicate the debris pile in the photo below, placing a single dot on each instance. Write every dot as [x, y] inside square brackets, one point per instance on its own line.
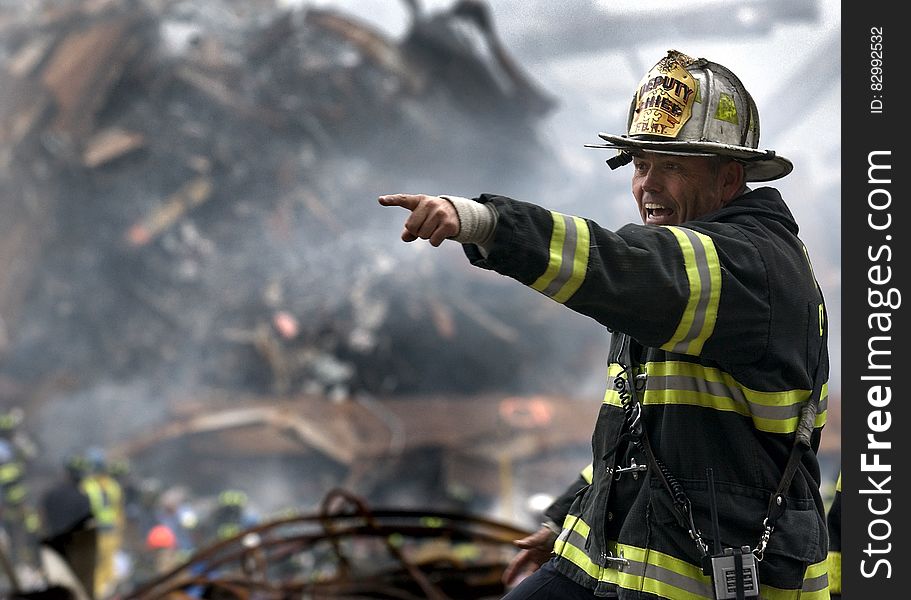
[346, 550]
[192, 197]
[190, 213]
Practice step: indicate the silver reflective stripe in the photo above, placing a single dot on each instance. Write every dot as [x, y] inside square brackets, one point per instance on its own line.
[567, 258]
[704, 293]
[815, 584]
[567, 255]
[692, 384]
[666, 576]
[573, 538]
[703, 273]
[718, 389]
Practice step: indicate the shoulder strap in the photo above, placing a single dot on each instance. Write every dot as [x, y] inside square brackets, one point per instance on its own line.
[803, 435]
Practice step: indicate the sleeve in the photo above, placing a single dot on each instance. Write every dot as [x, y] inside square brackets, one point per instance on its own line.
[685, 290]
[559, 508]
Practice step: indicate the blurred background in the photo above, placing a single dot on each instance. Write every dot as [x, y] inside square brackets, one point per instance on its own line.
[200, 294]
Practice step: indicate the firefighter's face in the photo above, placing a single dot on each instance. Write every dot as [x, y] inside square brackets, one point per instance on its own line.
[672, 189]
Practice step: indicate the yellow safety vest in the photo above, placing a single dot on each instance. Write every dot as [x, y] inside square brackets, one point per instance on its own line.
[105, 497]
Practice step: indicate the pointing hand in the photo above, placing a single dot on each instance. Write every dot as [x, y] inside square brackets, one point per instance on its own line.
[432, 218]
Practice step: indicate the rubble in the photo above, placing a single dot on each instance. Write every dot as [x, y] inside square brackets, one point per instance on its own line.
[191, 215]
[349, 550]
[197, 187]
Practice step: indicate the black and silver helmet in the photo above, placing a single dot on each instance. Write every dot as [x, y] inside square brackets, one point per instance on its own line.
[695, 107]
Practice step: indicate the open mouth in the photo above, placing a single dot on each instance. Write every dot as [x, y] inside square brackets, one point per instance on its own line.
[657, 212]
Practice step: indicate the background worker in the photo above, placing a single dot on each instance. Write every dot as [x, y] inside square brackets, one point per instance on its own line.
[20, 520]
[704, 478]
[106, 498]
[232, 515]
[69, 530]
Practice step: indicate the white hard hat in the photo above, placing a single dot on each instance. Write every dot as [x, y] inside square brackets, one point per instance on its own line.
[695, 107]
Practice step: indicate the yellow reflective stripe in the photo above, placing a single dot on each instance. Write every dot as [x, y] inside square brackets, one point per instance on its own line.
[580, 262]
[32, 522]
[576, 556]
[712, 374]
[833, 563]
[824, 594]
[104, 505]
[588, 473]
[703, 272]
[667, 576]
[16, 494]
[660, 574]
[9, 472]
[556, 254]
[574, 528]
[685, 383]
[574, 523]
[816, 581]
[648, 571]
[816, 586]
[838, 483]
[227, 530]
[769, 425]
[568, 261]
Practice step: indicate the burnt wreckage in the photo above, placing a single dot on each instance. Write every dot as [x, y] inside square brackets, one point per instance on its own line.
[188, 191]
[192, 174]
[349, 550]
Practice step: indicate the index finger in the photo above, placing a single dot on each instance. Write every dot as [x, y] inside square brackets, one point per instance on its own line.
[409, 201]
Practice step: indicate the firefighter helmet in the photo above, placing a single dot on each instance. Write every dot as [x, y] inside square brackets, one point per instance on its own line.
[695, 107]
[96, 459]
[161, 537]
[76, 465]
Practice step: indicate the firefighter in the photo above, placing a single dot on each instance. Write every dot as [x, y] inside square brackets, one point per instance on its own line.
[69, 524]
[704, 479]
[121, 470]
[232, 514]
[19, 518]
[106, 498]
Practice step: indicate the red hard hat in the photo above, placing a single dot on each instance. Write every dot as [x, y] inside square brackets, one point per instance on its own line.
[160, 537]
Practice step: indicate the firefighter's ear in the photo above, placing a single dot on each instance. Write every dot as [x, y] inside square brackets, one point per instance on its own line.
[732, 179]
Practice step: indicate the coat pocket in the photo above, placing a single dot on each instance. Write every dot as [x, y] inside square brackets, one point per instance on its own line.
[800, 533]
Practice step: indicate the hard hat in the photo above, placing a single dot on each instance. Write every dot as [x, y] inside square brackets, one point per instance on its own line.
[695, 107]
[160, 537]
[76, 464]
[96, 459]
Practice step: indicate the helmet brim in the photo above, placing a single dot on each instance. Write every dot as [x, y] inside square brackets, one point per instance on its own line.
[759, 165]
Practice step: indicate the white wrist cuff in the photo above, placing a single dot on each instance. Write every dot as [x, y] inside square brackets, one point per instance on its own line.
[477, 221]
